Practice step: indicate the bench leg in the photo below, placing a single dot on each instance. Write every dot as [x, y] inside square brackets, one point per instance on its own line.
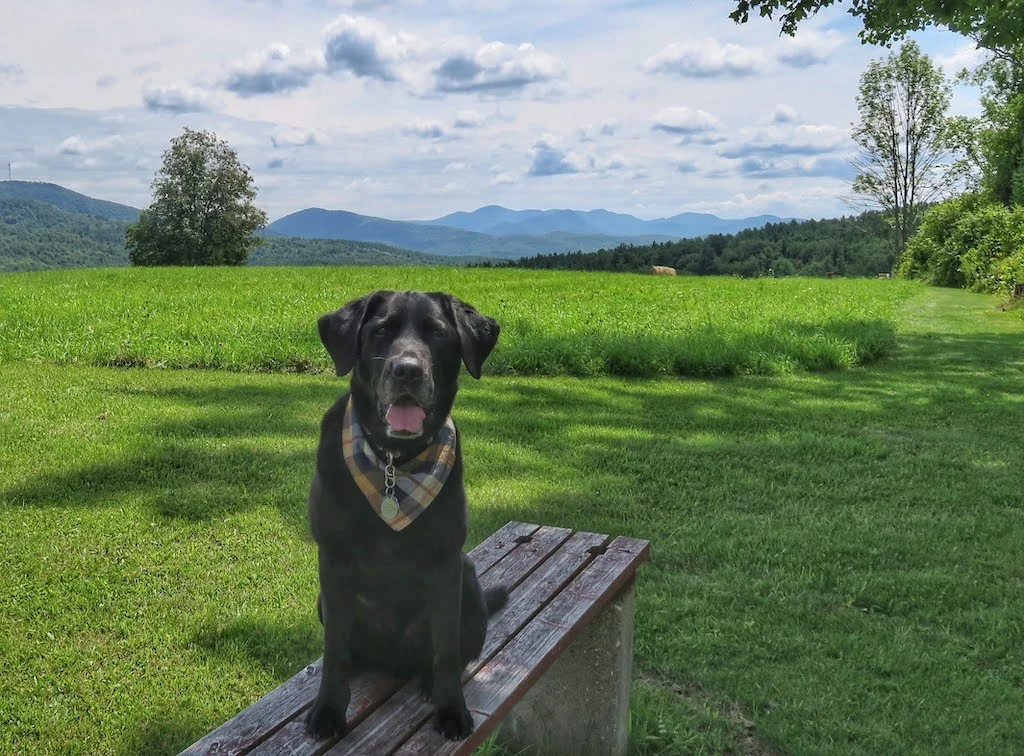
[581, 704]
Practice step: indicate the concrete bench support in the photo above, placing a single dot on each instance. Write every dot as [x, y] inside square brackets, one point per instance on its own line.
[581, 704]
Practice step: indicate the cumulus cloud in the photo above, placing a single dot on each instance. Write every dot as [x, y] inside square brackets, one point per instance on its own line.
[807, 139]
[365, 48]
[177, 98]
[105, 80]
[275, 163]
[784, 114]
[706, 59]
[423, 129]
[496, 68]
[685, 121]
[78, 146]
[468, 119]
[807, 49]
[820, 167]
[273, 70]
[548, 159]
[686, 166]
[296, 138]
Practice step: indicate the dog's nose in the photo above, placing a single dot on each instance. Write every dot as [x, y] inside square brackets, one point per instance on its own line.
[407, 369]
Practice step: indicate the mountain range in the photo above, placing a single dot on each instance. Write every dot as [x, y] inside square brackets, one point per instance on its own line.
[45, 225]
[495, 231]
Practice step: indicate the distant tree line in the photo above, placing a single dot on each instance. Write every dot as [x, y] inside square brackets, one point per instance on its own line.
[850, 246]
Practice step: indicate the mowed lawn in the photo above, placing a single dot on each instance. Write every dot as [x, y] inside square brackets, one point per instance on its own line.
[838, 557]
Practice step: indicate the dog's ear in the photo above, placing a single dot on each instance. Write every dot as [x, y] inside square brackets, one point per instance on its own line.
[339, 331]
[477, 333]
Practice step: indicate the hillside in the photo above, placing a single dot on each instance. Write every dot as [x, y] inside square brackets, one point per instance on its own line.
[65, 199]
[44, 226]
[35, 235]
[317, 223]
[850, 246]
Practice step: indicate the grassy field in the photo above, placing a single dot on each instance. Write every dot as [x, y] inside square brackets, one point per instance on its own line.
[581, 324]
[838, 561]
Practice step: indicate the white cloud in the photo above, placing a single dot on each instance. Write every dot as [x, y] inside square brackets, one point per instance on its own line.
[684, 120]
[273, 70]
[179, 97]
[496, 68]
[785, 114]
[468, 119]
[967, 56]
[707, 58]
[423, 129]
[294, 137]
[365, 48]
[810, 48]
[79, 146]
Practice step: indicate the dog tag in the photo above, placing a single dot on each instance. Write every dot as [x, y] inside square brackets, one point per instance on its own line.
[389, 507]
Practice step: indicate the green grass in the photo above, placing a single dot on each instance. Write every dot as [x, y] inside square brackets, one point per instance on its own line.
[838, 558]
[581, 324]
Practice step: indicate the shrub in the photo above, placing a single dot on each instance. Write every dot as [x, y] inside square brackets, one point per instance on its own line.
[968, 242]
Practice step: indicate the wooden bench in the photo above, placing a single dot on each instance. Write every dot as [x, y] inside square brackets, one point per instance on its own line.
[555, 671]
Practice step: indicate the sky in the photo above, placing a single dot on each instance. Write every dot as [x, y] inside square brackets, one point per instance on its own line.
[412, 109]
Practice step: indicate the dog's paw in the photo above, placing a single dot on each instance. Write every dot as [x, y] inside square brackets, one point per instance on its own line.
[426, 686]
[324, 720]
[454, 722]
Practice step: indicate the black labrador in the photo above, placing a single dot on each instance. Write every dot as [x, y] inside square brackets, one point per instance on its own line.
[403, 602]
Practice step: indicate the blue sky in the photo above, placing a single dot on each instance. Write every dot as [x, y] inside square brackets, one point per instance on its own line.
[412, 109]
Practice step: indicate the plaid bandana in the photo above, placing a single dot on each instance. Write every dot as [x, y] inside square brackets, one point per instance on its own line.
[417, 482]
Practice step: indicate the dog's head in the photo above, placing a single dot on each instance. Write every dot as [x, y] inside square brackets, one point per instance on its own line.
[405, 350]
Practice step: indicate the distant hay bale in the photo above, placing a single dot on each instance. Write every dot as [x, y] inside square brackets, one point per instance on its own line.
[662, 270]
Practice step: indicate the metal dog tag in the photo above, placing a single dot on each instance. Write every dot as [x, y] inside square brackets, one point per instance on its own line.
[389, 507]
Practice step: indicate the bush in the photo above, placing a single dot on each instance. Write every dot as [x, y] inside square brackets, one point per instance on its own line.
[968, 242]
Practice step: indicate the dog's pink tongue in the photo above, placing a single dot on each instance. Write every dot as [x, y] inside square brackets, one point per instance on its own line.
[405, 417]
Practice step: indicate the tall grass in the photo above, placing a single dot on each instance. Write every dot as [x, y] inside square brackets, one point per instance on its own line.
[553, 323]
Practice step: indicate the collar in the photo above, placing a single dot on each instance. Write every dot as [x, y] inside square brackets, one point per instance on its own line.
[398, 494]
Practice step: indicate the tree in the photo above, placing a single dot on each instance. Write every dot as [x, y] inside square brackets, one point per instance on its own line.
[902, 161]
[996, 26]
[202, 211]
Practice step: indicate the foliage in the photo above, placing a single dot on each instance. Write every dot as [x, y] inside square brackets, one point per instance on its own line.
[1001, 131]
[35, 235]
[855, 246]
[836, 560]
[552, 323]
[969, 241]
[290, 250]
[997, 26]
[202, 211]
[902, 160]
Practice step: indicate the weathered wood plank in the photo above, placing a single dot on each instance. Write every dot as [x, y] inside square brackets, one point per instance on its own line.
[405, 713]
[261, 720]
[503, 680]
[520, 551]
[397, 718]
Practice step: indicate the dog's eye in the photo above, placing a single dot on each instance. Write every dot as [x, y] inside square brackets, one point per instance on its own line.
[381, 330]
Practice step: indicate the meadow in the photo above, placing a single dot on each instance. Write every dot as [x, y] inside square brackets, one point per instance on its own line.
[838, 556]
[580, 324]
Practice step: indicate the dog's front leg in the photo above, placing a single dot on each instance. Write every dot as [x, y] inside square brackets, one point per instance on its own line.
[444, 602]
[326, 716]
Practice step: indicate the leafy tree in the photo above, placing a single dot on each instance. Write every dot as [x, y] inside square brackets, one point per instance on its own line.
[202, 211]
[997, 26]
[903, 160]
[1000, 132]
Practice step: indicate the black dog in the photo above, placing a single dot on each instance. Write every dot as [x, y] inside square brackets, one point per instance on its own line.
[397, 595]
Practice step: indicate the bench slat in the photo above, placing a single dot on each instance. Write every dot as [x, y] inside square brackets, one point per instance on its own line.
[260, 720]
[403, 714]
[511, 568]
[502, 681]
